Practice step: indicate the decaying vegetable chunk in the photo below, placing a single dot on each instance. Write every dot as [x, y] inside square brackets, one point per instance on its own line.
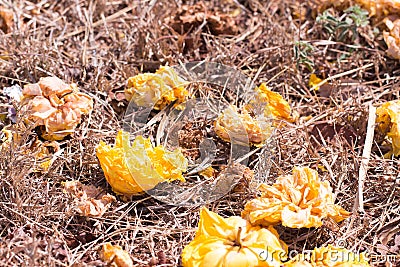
[133, 169]
[297, 200]
[55, 105]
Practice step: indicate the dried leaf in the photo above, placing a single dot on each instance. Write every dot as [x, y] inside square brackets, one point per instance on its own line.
[236, 176]
[115, 256]
[232, 242]
[89, 200]
[133, 169]
[326, 132]
[297, 200]
[190, 18]
[156, 90]
[388, 123]
[389, 230]
[55, 105]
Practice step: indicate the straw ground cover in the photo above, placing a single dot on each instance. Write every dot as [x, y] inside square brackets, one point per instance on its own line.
[100, 44]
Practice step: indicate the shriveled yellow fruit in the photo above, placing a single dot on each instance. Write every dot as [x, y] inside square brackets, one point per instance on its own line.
[43, 155]
[297, 200]
[388, 123]
[156, 89]
[232, 242]
[133, 169]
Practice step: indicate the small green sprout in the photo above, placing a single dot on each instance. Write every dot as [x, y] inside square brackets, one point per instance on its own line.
[302, 51]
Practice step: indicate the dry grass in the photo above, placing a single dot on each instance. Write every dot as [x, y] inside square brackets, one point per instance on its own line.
[99, 44]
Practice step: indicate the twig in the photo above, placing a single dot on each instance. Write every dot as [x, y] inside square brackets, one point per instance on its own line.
[362, 174]
[97, 23]
[341, 75]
